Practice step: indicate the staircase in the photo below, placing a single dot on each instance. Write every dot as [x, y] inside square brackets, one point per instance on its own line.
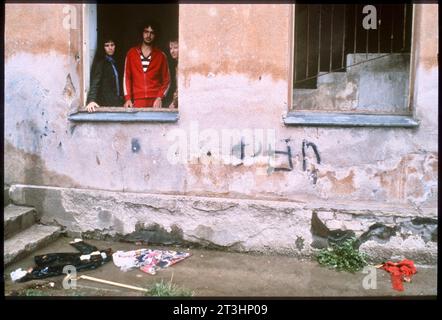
[372, 83]
[22, 233]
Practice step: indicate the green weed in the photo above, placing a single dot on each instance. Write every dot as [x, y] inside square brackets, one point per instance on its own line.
[168, 289]
[344, 257]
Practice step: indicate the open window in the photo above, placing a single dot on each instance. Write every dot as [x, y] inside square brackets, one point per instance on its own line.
[351, 65]
[122, 22]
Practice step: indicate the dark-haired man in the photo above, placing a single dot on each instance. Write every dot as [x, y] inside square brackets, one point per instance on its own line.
[105, 86]
[146, 73]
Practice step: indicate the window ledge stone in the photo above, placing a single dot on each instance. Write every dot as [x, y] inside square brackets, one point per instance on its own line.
[330, 119]
[125, 116]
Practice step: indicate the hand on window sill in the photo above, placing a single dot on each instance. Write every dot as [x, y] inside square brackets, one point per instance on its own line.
[91, 106]
[128, 104]
[158, 103]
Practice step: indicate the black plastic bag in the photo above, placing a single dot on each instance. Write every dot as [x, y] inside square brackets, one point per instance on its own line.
[52, 264]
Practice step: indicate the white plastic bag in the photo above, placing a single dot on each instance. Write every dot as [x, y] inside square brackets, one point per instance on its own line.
[18, 274]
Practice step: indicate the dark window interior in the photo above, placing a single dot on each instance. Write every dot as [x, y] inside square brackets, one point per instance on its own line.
[325, 34]
[122, 22]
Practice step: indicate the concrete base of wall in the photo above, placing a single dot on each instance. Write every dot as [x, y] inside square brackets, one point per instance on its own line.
[288, 227]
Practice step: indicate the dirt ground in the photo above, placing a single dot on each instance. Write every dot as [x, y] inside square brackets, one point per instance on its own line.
[210, 273]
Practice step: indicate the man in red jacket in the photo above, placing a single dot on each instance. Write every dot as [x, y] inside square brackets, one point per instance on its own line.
[146, 73]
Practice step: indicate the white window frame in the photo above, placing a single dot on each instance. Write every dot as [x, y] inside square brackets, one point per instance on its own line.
[89, 44]
[108, 114]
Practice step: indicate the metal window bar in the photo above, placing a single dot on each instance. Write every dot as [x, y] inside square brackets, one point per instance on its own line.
[392, 31]
[343, 37]
[346, 67]
[355, 28]
[379, 28]
[308, 39]
[379, 23]
[404, 27]
[331, 38]
[319, 45]
[366, 45]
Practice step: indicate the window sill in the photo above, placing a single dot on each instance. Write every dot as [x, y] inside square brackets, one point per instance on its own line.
[329, 119]
[119, 114]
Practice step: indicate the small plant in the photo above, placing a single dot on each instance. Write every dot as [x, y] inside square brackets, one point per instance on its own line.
[167, 289]
[34, 293]
[343, 257]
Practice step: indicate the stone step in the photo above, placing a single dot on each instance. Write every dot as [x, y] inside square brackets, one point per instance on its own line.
[6, 199]
[382, 81]
[17, 218]
[331, 77]
[28, 241]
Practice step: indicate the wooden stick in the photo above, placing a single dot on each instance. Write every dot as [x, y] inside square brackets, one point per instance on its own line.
[113, 283]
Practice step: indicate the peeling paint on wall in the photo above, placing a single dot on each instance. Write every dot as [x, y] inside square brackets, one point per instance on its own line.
[29, 168]
[69, 90]
[405, 180]
[36, 27]
[231, 80]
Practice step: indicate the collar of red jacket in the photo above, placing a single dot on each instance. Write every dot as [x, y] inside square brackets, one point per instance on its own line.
[154, 49]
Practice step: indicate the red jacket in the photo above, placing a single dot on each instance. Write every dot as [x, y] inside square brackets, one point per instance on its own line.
[153, 83]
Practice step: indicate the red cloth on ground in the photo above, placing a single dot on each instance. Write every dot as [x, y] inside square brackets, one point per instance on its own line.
[401, 271]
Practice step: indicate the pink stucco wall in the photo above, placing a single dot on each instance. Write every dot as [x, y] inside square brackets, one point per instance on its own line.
[234, 74]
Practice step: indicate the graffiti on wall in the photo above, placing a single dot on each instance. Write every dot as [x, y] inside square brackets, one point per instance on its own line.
[284, 156]
[246, 147]
[312, 171]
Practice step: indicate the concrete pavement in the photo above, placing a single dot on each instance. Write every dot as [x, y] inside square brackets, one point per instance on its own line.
[212, 273]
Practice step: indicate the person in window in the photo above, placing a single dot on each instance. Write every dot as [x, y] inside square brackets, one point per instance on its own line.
[146, 79]
[105, 84]
[172, 96]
